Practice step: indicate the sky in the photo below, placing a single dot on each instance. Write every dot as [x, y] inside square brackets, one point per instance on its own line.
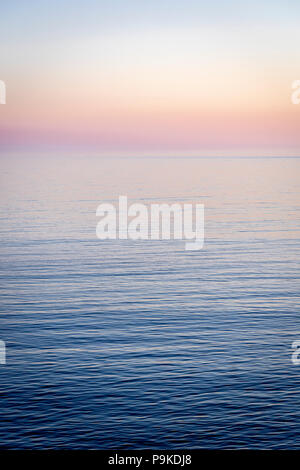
[159, 77]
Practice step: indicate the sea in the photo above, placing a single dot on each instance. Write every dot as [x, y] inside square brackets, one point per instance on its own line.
[141, 344]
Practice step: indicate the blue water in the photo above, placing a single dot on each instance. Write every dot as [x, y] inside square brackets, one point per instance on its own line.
[141, 344]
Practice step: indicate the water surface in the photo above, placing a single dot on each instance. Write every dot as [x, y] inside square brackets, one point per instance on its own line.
[141, 344]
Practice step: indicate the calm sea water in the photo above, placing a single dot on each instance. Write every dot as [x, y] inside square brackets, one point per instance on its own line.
[141, 344]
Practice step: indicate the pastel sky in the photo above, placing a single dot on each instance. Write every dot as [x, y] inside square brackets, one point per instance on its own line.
[150, 77]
